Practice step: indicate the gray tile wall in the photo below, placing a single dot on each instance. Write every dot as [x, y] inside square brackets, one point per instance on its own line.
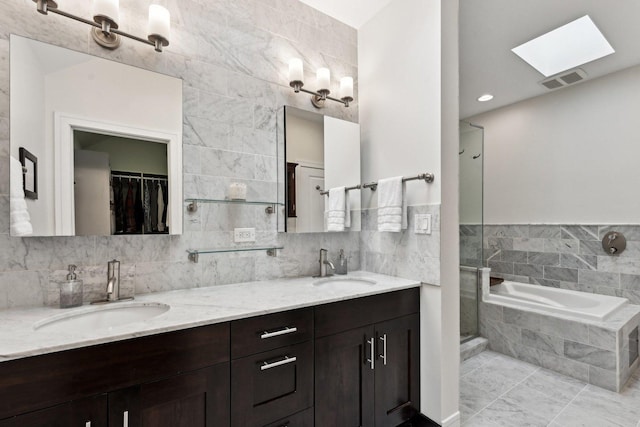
[597, 354]
[404, 254]
[232, 56]
[565, 256]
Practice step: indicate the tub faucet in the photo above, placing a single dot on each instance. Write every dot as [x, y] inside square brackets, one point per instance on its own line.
[324, 262]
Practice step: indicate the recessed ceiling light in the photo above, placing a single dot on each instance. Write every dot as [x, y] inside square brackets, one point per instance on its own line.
[569, 46]
[486, 97]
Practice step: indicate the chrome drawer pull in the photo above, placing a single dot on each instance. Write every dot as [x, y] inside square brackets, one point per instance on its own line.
[125, 419]
[87, 424]
[284, 331]
[287, 359]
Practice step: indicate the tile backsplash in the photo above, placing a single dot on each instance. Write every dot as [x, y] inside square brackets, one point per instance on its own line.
[232, 56]
[564, 256]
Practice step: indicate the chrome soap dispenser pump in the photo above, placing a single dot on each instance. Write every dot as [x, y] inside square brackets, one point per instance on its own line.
[71, 290]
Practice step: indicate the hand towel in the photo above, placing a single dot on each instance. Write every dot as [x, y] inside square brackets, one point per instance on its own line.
[392, 205]
[19, 218]
[335, 210]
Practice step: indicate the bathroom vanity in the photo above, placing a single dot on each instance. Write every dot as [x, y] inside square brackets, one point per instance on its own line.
[299, 353]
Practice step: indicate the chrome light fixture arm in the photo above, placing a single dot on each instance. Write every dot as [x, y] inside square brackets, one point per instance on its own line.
[105, 31]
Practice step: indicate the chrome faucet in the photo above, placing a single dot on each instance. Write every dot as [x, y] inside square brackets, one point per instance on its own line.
[324, 262]
[113, 284]
[113, 280]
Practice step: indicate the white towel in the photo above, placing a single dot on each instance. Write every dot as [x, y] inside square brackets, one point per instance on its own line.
[392, 205]
[19, 219]
[335, 210]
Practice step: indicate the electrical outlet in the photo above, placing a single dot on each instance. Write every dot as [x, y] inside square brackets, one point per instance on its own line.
[241, 235]
[422, 224]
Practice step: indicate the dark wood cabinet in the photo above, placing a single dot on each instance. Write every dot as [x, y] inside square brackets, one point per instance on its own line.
[397, 370]
[148, 377]
[353, 363]
[344, 389]
[193, 399]
[90, 412]
[369, 375]
[301, 419]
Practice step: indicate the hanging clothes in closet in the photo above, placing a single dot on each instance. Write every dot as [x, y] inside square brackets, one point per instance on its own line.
[140, 203]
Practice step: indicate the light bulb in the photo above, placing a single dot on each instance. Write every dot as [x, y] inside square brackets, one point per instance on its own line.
[323, 79]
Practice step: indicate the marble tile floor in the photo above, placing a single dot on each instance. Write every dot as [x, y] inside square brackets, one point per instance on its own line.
[497, 390]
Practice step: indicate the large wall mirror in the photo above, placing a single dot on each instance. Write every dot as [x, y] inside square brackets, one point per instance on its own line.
[316, 153]
[108, 143]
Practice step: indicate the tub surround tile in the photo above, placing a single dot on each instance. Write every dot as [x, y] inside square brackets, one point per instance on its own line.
[545, 231]
[580, 232]
[585, 262]
[543, 258]
[587, 350]
[560, 273]
[543, 342]
[574, 247]
[527, 244]
[528, 271]
[593, 356]
[601, 337]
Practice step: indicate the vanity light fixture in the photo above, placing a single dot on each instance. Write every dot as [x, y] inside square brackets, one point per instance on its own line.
[323, 80]
[486, 97]
[105, 23]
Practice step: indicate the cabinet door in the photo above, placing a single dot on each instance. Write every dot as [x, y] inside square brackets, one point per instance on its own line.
[90, 412]
[193, 399]
[344, 379]
[397, 374]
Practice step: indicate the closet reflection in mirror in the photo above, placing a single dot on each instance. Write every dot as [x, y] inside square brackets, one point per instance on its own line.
[321, 153]
[120, 185]
[91, 121]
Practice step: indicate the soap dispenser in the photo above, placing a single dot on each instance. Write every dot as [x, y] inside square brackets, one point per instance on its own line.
[341, 265]
[71, 290]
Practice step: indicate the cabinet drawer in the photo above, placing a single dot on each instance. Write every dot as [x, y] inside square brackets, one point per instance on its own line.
[301, 419]
[263, 333]
[268, 386]
[344, 315]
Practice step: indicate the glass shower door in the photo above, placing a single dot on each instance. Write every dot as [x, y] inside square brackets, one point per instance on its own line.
[471, 225]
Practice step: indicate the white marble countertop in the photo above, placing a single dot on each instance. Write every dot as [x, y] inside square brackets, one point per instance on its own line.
[188, 308]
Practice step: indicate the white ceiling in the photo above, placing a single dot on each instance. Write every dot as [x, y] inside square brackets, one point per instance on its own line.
[352, 12]
[489, 29]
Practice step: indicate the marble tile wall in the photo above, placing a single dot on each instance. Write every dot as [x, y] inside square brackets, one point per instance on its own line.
[565, 256]
[232, 57]
[404, 254]
[594, 353]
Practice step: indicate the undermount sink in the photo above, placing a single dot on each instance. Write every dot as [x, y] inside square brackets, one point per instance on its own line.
[103, 317]
[343, 282]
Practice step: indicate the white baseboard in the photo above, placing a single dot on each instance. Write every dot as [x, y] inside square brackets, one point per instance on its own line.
[452, 421]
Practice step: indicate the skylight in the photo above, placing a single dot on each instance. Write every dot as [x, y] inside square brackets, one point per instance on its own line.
[566, 47]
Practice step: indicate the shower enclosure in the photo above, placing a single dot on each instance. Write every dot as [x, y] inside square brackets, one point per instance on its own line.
[471, 260]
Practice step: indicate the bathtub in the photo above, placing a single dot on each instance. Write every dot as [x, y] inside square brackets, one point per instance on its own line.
[573, 304]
